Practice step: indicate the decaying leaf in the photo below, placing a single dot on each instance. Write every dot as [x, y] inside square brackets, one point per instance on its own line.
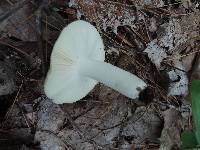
[179, 81]
[21, 24]
[155, 53]
[107, 13]
[170, 137]
[7, 83]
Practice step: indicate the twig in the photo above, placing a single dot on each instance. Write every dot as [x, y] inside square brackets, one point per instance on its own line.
[83, 113]
[15, 100]
[9, 2]
[139, 35]
[118, 3]
[96, 101]
[146, 26]
[121, 129]
[51, 25]
[122, 48]
[24, 116]
[43, 5]
[166, 63]
[40, 39]
[181, 56]
[46, 38]
[9, 43]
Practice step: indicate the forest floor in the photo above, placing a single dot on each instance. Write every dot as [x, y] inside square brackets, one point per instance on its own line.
[157, 40]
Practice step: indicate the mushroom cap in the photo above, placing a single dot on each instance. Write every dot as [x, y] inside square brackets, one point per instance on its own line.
[77, 41]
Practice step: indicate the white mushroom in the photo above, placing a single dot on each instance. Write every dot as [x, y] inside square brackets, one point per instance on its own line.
[77, 65]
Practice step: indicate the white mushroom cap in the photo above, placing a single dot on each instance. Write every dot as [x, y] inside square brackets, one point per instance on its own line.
[78, 40]
[77, 64]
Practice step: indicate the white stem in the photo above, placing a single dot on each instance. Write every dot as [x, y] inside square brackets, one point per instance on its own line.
[114, 77]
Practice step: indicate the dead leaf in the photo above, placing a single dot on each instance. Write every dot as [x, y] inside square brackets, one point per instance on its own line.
[21, 24]
[170, 137]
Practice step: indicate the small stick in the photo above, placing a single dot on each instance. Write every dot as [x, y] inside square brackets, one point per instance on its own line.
[26, 55]
[39, 37]
[11, 3]
[24, 116]
[15, 100]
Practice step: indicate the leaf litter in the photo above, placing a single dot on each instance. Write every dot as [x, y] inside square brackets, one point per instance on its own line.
[150, 38]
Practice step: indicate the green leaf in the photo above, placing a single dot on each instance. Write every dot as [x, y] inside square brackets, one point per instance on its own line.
[195, 93]
[188, 140]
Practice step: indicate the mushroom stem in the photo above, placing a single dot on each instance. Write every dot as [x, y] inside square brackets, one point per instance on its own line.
[114, 77]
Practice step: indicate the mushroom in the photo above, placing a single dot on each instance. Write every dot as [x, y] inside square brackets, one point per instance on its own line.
[77, 65]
